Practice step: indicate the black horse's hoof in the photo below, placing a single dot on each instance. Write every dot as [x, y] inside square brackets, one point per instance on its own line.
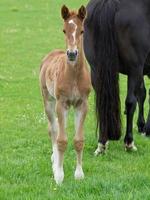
[130, 147]
[101, 149]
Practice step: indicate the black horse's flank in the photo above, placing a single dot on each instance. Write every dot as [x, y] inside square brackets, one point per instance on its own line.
[116, 39]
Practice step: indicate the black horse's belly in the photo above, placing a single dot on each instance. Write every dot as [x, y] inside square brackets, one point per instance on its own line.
[133, 33]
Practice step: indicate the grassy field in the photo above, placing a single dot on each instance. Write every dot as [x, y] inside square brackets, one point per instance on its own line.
[28, 30]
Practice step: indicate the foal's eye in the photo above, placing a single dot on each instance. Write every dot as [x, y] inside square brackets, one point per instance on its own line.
[64, 31]
[82, 32]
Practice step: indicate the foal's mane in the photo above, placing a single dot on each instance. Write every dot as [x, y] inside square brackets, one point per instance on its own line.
[73, 13]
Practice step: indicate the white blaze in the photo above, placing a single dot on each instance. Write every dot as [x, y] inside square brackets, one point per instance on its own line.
[74, 33]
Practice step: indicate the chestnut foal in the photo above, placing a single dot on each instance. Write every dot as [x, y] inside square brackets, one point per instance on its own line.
[65, 81]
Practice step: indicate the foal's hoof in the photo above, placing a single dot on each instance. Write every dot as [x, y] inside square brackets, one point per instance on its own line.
[101, 149]
[59, 176]
[79, 174]
[130, 147]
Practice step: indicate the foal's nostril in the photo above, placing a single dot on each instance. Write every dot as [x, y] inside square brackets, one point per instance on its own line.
[76, 52]
[68, 52]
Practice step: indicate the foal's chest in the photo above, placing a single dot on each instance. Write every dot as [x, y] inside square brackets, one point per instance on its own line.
[71, 93]
[72, 88]
[74, 94]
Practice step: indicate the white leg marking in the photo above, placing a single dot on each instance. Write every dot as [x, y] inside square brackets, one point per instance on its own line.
[130, 147]
[143, 134]
[54, 157]
[58, 167]
[79, 174]
[58, 159]
[53, 125]
[59, 175]
[101, 148]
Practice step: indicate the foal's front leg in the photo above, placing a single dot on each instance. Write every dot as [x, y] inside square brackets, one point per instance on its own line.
[61, 141]
[80, 115]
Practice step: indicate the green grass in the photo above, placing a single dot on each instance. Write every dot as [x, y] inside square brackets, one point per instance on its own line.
[28, 30]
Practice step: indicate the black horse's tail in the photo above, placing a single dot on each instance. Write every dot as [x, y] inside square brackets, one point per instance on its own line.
[106, 69]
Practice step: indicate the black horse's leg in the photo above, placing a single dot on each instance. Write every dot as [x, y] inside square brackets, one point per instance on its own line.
[102, 144]
[141, 95]
[147, 125]
[133, 84]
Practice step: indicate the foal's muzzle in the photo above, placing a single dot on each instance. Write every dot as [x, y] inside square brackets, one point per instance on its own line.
[72, 54]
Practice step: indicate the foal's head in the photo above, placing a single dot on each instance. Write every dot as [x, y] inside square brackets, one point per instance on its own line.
[73, 30]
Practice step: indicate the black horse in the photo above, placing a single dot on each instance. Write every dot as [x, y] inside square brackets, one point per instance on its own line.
[117, 39]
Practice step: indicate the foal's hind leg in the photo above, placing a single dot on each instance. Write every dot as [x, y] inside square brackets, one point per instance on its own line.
[147, 125]
[61, 110]
[49, 104]
[52, 128]
[80, 115]
[141, 95]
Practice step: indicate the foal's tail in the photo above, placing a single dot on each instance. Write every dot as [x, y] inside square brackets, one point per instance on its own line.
[106, 69]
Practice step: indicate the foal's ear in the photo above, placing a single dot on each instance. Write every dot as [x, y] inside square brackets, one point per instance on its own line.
[65, 12]
[82, 13]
